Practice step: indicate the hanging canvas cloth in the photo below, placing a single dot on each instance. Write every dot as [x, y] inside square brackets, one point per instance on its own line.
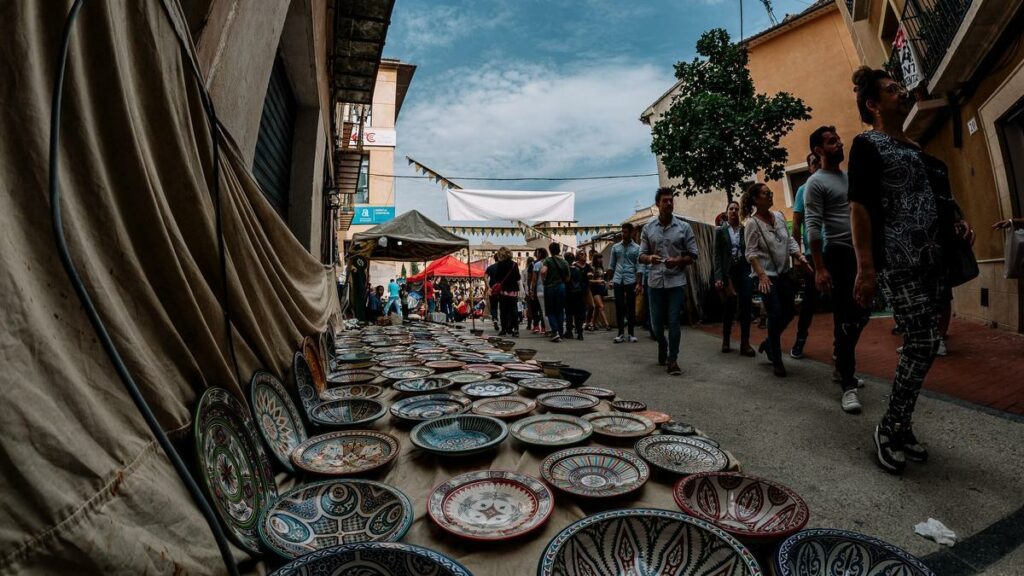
[477, 205]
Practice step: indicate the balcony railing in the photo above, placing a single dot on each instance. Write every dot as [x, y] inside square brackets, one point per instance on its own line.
[930, 26]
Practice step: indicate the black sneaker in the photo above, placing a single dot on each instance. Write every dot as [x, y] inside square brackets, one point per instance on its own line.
[889, 451]
[579, 336]
[673, 368]
[912, 449]
[797, 351]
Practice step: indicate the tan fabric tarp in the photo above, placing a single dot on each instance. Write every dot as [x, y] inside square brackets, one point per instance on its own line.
[421, 239]
[83, 487]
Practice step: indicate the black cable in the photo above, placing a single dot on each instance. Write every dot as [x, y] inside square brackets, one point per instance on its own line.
[94, 317]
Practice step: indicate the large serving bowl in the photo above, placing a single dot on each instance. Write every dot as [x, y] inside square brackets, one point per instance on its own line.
[344, 377]
[420, 408]
[619, 425]
[543, 384]
[345, 453]
[378, 558]
[567, 401]
[489, 389]
[681, 454]
[323, 514]
[490, 505]
[347, 412]
[592, 472]
[576, 376]
[525, 354]
[827, 552]
[425, 385]
[550, 430]
[504, 407]
[645, 541]
[745, 506]
[353, 391]
[505, 345]
[459, 435]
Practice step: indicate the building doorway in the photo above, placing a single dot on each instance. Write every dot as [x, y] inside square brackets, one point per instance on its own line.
[1011, 134]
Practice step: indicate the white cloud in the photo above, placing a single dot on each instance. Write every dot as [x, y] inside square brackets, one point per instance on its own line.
[422, 27]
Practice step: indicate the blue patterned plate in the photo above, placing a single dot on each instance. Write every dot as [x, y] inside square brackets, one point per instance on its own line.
[235, 471]
[376, 558]
[332, 512]
[420, 408]
[827, 552]
[276, 416]
[544, 384]
[568, 401]
[347, 412]
[595, 472]
[467, 376]
[489, 389]
[645, 541]
[459, 435]
[423, 385]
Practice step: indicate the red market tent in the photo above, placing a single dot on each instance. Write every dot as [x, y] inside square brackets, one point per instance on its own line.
[450, 267]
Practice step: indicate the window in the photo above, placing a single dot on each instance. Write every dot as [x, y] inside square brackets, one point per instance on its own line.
[795, 179]
[363, 184]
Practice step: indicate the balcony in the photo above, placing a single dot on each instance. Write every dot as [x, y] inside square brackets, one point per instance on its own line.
[931, 26]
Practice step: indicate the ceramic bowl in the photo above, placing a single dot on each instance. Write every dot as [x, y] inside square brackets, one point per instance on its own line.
[476, 331]
[516, 376]
[378, 558]
[505, 345]
[602, 393]
[490, 505]
[344, 377]
[619, 425]
[345, 453]
[525, 354]
[553, 370]
[523, 367]
[323, 514]
[429, 384]
[677, 428]
[445, 365]
[459, 435]
[352, 391]
[592, 472]
[748, 507]
[681, 454]
[567, 402]
[504, 407]
[489, 388]
[467, 376]
[660, 542]
[543, 384]
[629, 406]
[406, 373]
[353, 357]
[576, 376]
[485, 368]
[551, 430]
[827, 552]
[347, 412]
[420, 408]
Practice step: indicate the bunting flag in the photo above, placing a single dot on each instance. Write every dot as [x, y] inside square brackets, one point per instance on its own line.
[527, 230]
[435, 176]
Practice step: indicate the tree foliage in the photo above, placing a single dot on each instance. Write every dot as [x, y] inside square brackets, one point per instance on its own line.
[404, 275]
[718, 131]
[415, 268]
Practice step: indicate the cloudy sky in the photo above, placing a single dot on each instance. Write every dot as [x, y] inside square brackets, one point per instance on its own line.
[552, 88]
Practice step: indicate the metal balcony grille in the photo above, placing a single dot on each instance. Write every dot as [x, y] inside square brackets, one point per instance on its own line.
[931, 26]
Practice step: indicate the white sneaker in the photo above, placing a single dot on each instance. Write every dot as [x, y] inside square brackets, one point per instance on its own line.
[619, 339]
[850, 402]
[633, 339]
[942, 351]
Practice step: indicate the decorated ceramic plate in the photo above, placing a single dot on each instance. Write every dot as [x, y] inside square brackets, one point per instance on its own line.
[345, 453]
[304, 383]
[419, 408]
[504, 407]
[356, 357]
[544, 384]
[551, 430]
[423, 385]
[517, 375]
[444, 365]
[502, 359]
[427, 350]
[316, 368]
[276, 416]
[840, 552]
[681, 454]
[376, 558]
[678, 428]
[745, 506]
[490, 505]
[654, 416]
[619, 424]
[235, 471]
[404, 363]
[467, 376]
[488, 389]
[598, 392]
[595, 472]
[523, 367]
[350, 377]
[459, 435]
[486, 368]
[629, 406]
[570, 402]
[406, 373]
[347, 412]
[352, 391]
[387, 356]
[323, 514]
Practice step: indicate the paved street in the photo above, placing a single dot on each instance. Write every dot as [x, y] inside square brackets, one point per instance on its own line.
[793, 431]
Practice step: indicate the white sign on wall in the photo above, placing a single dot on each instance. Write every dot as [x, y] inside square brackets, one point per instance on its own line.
[374, 137]
[904, 48]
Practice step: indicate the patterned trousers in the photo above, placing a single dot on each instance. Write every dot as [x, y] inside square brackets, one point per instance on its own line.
[915, 297]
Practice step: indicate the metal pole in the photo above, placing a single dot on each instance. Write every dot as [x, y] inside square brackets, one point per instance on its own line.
[741, 20]
[472, 304]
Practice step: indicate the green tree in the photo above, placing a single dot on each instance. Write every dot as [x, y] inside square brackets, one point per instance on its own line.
[415, 268]
[404, 275]
[718, 131]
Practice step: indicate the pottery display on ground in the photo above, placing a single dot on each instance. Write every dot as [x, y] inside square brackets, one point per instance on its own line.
[459, 435]
[347, 412]
[568, 402]
[489, 388]
[619, 424]
[345, 453]
[276, 417]
[504, 407]
[428, 384]
[598, 392]
[543, 384]
[829, 552]
[748, 507]
[331, 512]
[467, 376]
[352, 391]
[490, 505]
[485, 368]
[593, 472]
[406, 373]
[681, 454]
[576, 376]
[628, 406]
[376, 558]
[660, 542]
[420, 408]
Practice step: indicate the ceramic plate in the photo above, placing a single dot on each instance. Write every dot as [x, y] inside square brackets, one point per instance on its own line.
[445, 365]
[352, 391]
[544, 384]
[517, 375]
[602, 393]
[304, 383]
[459, 435]
[350, 377]
[356, 357]
[404, 363]
[423, 385]
[595, 472]
[345, 453]
[628, 405]
[570, 402]
[504, 407]
[486, 368]
[376, 558]
[323, 514]
[840, 552]
[316, 368]
[523, 367]
[392, 356]
[678, 428]
[745, 506]
[619, 424]
[490, 505]
[429, 350]
[489, 388]
[551, 430]
[419, 408]
[406, 373]
[654, 416]
[467, 376]
[681, 454]
[347, 412]
[276, 417]
[235, 471]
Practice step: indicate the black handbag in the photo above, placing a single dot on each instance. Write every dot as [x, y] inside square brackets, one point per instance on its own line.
[957, 253]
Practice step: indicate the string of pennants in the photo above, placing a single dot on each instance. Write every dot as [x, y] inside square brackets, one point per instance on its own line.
[525, 229]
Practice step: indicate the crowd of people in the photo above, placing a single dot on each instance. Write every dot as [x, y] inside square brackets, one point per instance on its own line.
[456, 299]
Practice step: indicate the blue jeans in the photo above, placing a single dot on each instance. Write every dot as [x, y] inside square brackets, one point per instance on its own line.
[667, 307]
[430, 306]
[554, 306]
[393, 303]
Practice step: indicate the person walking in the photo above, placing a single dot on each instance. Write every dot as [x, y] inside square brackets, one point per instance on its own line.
[429, 296]
[507, 289]
[732, 279]
[537, 285]
[769, 247]
[598, 290]
[668, 246]
[835, 265]
[626, 283]
[531, 304]
[394, 299]
[579, 288]
[492, 296]
[901, 208]
[554, 273]
[446, 299]
[809, 304]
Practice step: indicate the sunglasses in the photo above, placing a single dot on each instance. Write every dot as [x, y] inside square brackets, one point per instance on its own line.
[895, 88]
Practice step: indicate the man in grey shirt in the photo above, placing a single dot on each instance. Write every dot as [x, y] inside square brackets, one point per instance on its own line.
[827, 213]
[668, 246]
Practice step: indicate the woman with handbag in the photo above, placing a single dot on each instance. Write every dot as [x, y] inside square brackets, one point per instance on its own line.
[732, 279]
[769, 249]
[507, 290]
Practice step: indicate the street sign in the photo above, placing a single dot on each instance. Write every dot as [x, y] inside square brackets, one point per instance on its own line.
[373, 214]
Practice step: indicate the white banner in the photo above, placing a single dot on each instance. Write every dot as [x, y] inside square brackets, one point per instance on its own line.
[375, 137]
[477, 205]
[908, 59]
